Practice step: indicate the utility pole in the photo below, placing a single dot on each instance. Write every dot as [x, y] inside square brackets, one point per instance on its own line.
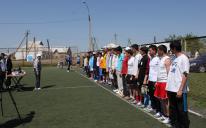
[27, 39]
[155, 41]
[129, 42]
[91, 45]
[34, 41]
[95, 44]
[49, 50]
[115, 37]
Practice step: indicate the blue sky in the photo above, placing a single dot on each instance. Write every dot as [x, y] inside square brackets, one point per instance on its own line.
[65, 23]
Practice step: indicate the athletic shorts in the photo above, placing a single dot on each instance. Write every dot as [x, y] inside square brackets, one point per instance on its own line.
[130, 81]
[160, 91]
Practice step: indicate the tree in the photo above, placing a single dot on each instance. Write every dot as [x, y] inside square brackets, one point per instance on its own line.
[173, 37]
[192, 43]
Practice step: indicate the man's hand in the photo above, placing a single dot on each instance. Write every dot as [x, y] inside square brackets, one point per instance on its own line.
[179, 94]
[145, 82]
[131, 77]
[6, 76]
[136, 77]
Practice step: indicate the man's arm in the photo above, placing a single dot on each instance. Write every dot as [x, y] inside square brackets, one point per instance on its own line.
[147, 72]
[167, 65]
[185, 71]
[183, 84]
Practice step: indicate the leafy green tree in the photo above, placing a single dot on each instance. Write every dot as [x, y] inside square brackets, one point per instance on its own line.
[191, 44]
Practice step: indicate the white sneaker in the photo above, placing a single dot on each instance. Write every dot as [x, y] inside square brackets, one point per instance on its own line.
[134, 102]
[132, 97]
[148, 109]
[38, 88]
[161, 118]
[145, 109]
[35, 89]
[67, 70]
[115, 90]
[166, 120]
[157, 115]
[142, 106]
[95, 80]
[139, 103]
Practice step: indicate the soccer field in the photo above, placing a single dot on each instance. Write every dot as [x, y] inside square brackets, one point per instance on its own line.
[68, 100]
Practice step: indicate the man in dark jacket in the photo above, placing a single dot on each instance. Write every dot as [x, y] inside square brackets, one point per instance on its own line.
[9, 66]
[2, 70]
[37, 71]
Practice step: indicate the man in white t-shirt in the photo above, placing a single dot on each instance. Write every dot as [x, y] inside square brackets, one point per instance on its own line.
[177, 87]
[137, 59]
[152, 79]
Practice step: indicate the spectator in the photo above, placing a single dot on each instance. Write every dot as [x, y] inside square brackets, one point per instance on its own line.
[78, 61]
[177, 87]
[153, 70]
[160, 91]
[85, 62]
[138, 57]
[124, 72]
[142, 75]
[69, 62]
[197, 54]
[91, 65]
[130, 74]
[120, 57]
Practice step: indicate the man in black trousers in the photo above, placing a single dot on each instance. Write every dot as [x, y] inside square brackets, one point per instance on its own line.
[37, 71]
[9, 67]
[2, 70]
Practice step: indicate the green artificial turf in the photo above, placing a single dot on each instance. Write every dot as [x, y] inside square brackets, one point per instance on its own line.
[198, 89]
[69, 100]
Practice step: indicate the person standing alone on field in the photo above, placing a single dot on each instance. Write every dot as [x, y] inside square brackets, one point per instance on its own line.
[37, 71]
[68, 61]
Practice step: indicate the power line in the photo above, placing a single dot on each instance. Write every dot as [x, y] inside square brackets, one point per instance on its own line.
[42, 22]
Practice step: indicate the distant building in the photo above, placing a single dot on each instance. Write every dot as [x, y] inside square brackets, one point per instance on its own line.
[59, 53]
[33, 50]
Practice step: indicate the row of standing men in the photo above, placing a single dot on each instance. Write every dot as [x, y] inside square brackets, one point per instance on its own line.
[150, 77]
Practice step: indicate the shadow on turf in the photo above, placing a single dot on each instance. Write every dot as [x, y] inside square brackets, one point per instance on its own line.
[32, 88]
[48, 86]
[16, 122]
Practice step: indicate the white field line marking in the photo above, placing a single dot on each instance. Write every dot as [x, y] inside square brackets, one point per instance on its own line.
[196, 113]
[151, 115]
[69, 87]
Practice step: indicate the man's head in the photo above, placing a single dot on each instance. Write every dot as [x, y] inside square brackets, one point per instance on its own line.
[128, 51]
[118, 50]
[38, 56]
[2, 55]
[135, 47]
[152, 50]
[162, 49]
[175, 46]
[143, 50]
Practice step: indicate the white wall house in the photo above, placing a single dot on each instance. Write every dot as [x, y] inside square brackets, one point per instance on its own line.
[33, 50]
